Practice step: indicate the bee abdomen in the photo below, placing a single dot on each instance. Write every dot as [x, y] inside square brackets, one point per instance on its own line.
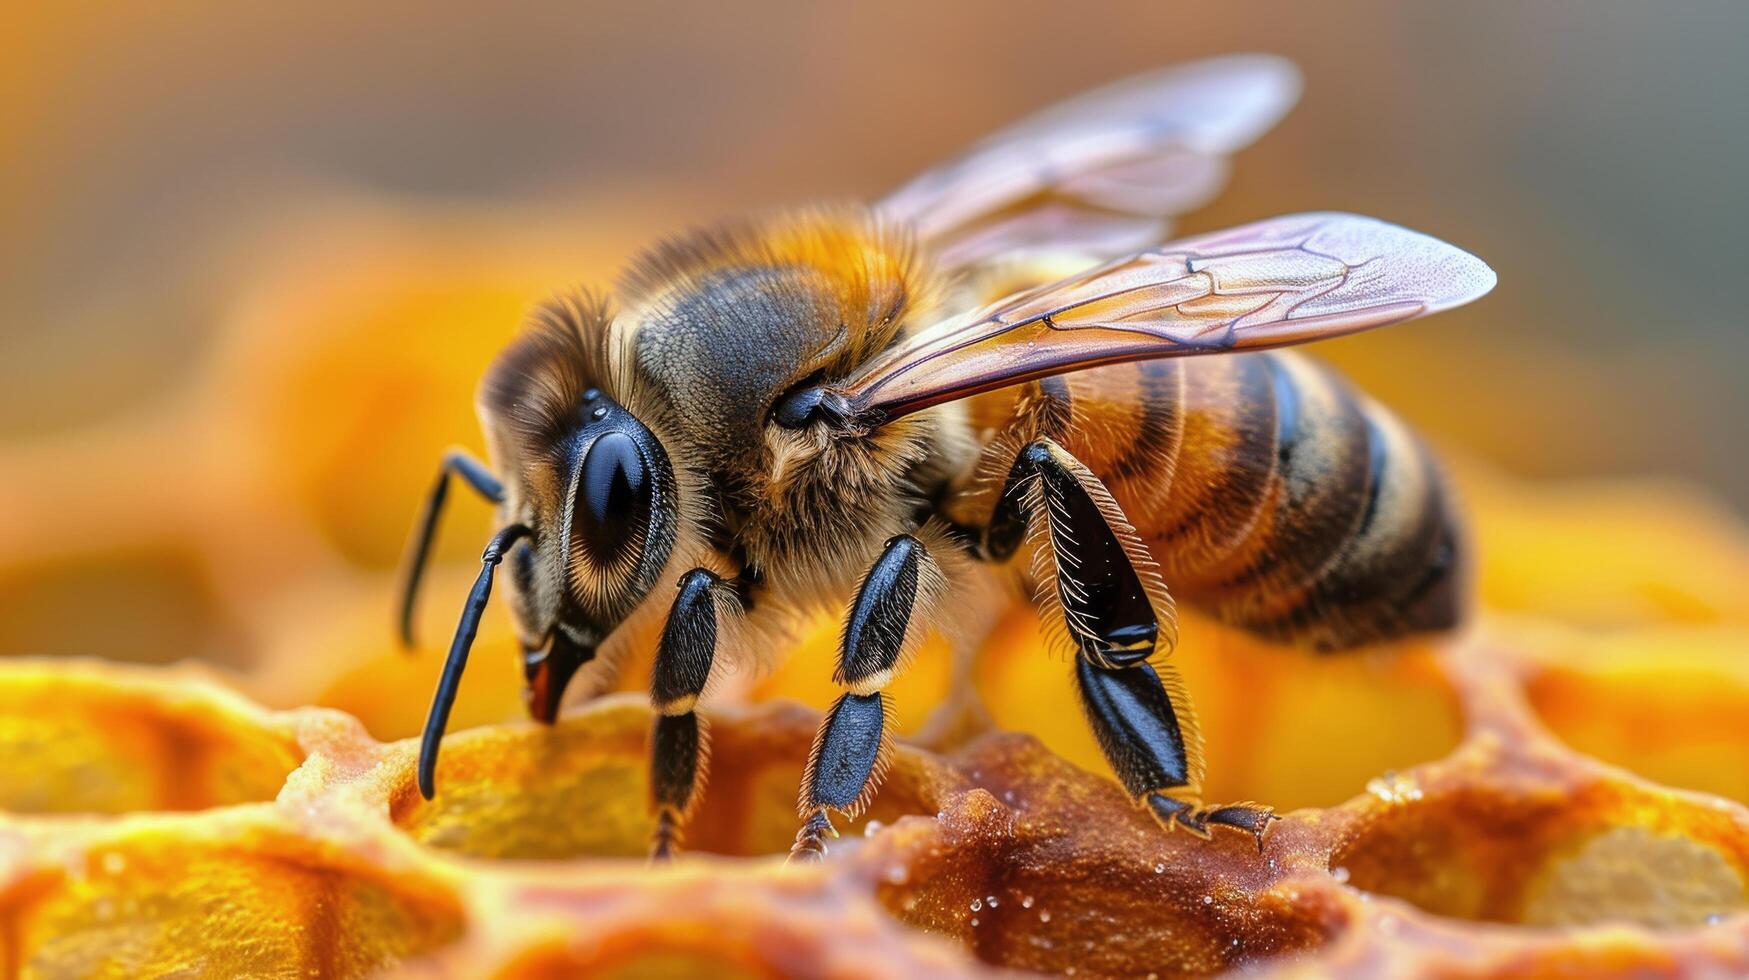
[1274, 496]
[1352, 542]
[1398, 572]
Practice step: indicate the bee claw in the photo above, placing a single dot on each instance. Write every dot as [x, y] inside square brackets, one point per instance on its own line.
[665, 842]
[1251, 818]
[810, 845]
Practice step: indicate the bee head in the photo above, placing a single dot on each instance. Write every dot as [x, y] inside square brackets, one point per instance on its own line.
[585, 470]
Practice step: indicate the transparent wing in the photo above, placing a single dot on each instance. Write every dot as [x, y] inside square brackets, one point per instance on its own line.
[1101, 173]
[1284, 281]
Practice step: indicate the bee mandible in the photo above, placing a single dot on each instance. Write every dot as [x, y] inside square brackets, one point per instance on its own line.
[993, 384]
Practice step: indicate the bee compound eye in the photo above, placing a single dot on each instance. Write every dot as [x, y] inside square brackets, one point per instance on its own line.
[804, 406]
[613, 495]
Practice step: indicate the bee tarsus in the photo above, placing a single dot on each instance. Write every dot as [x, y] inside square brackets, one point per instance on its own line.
[678, 754]
[1172, 811]
[810, 845]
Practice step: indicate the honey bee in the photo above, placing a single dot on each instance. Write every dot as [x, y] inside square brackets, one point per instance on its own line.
[991, 385]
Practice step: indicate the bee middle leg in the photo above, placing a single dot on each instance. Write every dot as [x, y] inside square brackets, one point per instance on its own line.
[1101, 586]
[849, 754]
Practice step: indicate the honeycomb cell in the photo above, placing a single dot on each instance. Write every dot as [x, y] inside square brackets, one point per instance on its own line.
[1041, 866]
[580, 788]
[1575, 854]
[709, 917]
[238, 899]
[89, 739]
[1635, 874]
[521, 791]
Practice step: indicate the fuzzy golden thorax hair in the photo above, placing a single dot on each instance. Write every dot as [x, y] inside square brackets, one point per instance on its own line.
[725, 322]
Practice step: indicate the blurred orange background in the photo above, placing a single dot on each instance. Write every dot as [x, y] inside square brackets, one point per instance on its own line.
[257, 260]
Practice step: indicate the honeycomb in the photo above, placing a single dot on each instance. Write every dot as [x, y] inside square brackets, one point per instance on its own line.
[1556, 791]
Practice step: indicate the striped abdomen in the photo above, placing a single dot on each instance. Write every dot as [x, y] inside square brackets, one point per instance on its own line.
[1273, 495]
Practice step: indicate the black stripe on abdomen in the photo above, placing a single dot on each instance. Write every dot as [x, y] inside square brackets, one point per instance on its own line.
[1155, 428]
[1367, 554]
[1323, 479]
[1404, 552]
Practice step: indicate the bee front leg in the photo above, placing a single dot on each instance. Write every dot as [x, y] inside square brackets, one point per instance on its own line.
[850, 752]
[1102, 589]
[679, 740]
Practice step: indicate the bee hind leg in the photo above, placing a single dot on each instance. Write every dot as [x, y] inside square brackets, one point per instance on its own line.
[679, 739]
[1104, 589]
[850, 752]
[1133, 717]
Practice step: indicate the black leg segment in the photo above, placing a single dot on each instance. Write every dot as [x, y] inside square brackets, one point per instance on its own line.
[679, 745]
[1105, 587]
[1135, 724]
[849, 753]
[1250, 818]
[689, 643]
[457, 661]
[677, 772]
[849, 750]
[874, 635]
[1110, 615]
[475, 474]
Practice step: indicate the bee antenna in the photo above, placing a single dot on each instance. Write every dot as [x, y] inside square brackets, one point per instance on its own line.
[457, 661]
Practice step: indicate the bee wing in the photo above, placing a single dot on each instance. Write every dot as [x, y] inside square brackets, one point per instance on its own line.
[1103, 172]
[1283, 281]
